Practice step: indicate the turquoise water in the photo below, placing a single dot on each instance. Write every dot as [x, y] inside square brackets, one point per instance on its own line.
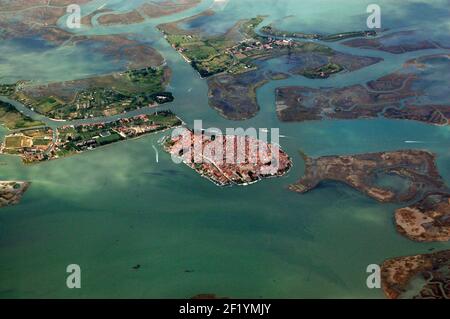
[111, 209]
[36, 61]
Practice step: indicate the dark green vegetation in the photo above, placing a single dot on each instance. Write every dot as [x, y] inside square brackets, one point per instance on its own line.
[213, 55]
[7, 89]
[13, 119]
[270, 30]
[232, 62]
[234, 95]
[249, 26]
[98, 96]
[82, 138]
[207, 56]
[43, 144]
[322, 72]
[76, 139]
[150, 78]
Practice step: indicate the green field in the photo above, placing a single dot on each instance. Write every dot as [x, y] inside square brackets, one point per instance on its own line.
[232, 52]
[80, 138]
[148, 80]
[13, 119]
[47, 104]
[323, 71]
[98, 96]
[14, 141]
[210, 55]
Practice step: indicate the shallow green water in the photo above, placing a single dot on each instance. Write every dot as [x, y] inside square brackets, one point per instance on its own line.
[111, 209]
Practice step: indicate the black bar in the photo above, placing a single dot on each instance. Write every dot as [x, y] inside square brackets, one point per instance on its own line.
[233, 309]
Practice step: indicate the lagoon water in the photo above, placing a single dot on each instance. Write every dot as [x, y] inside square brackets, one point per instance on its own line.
[114, 208]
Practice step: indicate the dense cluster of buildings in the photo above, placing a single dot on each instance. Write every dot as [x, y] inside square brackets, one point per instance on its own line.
[229, 159]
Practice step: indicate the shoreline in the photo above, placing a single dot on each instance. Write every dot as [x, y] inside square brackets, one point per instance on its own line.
[52, 145]
[208, 166]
